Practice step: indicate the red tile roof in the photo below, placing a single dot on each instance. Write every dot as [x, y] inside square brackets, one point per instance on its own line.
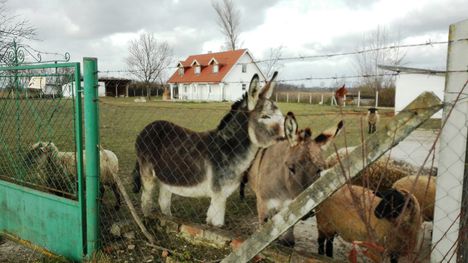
[225, 59]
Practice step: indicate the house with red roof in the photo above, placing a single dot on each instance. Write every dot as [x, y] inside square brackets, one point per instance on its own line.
[217, 76]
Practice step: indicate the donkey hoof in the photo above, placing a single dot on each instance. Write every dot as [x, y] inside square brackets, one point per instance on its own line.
[286, 243]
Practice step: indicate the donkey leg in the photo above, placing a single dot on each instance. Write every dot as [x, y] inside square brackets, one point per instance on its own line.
[147, 194]
[216, 211]
[287, 239]
[165, 200]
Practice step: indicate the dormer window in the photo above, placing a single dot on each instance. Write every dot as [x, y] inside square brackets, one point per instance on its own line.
[197, 70]
[215, 65]
[181, 71]
[244, 68]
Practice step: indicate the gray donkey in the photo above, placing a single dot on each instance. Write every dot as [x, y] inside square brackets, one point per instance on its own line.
[206, 164]
[281, 172]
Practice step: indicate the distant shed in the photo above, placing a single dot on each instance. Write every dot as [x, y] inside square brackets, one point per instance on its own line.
[414, 81]
[116, 87]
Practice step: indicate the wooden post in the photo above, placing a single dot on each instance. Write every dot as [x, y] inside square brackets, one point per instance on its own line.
[399, 128]
[310, 98]
[298, 97]
[359, 98]
[376, 99]
[287, 97]
[321, 99]
[276, 96]
[344, 101]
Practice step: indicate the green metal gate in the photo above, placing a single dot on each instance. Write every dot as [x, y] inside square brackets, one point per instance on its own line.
[41, 155]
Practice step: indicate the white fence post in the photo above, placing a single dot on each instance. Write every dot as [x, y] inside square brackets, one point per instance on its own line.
[451, 166]
[359, 98]
[287, 97]
[298, 97]
[376, 99]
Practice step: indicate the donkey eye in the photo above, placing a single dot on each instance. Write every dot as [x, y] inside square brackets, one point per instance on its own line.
[265, 117]
[292, 169]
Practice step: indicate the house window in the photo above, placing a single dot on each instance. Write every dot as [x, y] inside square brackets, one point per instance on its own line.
[185, 88]
[197, 70]
[181, 71]
[209, 88]
[244, 87]
[215, 68]
[244, 68]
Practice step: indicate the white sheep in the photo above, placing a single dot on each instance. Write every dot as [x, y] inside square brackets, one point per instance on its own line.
[424, 190]
[57, 164]
[356, 214]
[372, 118]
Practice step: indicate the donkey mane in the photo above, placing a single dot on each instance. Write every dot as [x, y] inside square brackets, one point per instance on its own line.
[235, 107]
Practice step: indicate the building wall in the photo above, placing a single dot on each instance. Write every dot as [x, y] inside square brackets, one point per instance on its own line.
[236, 78]
[69, 89]
[409, 86]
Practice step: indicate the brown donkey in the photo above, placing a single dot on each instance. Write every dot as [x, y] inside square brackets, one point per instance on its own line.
[206, 164]
[282, 171]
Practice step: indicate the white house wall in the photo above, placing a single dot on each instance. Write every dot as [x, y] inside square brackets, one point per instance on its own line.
[69, 89]
[235, 78]
[409, 86]
[200, 92]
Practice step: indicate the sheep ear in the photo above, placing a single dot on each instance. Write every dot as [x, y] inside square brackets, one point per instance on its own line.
[324, 138]
[267, 91]
[253, 93]
[290, 129]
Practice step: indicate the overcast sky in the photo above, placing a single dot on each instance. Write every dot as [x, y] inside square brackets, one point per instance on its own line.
[103, 29]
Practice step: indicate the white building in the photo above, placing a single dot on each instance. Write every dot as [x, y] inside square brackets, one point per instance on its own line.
[69, 89]
[411, 82]
[214, 76]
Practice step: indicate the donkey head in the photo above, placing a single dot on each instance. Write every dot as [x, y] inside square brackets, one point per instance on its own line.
[305, 158]
[39, 152]
[265, 118]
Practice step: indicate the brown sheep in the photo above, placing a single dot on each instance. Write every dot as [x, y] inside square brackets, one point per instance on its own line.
[388, 224]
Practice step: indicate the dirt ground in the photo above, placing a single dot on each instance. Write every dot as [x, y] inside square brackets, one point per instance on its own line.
[11, 252]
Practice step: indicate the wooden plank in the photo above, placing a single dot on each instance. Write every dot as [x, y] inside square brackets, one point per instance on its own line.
[421, 109]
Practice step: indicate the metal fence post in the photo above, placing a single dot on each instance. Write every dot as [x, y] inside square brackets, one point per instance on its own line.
[92, 152]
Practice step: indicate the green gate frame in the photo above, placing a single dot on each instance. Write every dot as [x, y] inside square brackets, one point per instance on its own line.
[65, 227]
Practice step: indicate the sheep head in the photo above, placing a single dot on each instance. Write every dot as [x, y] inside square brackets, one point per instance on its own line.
[39, 152]
[392, 204]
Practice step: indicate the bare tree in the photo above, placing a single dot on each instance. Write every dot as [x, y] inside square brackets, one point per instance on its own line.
[228, 22]
[271, 62]
[368, 62]
[13, 27]
[148, 59]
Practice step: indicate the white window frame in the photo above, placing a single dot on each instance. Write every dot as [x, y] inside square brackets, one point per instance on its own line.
[197, 70]
[215, 68]
[181, 71]
[244, 68]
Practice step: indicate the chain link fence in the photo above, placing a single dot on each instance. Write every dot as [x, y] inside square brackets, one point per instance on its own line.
[37, 129]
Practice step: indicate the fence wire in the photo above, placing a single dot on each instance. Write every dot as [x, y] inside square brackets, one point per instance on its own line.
[186, 236]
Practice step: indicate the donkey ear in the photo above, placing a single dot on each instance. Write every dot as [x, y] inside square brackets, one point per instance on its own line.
[267, 91]
[324, 138]
[254, 90]
[290, 129]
